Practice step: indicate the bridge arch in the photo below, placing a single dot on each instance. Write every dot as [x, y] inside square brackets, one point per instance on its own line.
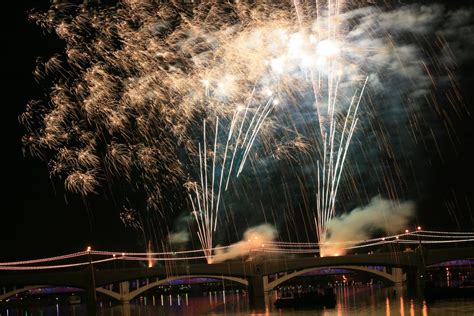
[461, 260]
[126, 296]
[452, 263]
[394, 278]
[11, 293]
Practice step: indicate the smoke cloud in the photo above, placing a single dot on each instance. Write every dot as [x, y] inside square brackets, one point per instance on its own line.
[379, 215]
[254, 238]
[180, 237]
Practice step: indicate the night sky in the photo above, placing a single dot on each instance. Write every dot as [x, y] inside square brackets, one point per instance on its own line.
[39, 219]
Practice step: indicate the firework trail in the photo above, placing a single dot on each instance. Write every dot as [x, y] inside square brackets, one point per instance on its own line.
[293, 51]
[324, 64]
[206, 198]
[139, 83]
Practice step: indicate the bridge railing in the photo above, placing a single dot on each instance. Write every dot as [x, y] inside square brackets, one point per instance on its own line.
[402, 242]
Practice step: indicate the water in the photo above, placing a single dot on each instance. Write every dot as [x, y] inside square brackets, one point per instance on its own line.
[351, 300]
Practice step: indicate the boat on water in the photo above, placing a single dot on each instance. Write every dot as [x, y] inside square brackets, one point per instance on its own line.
[314, 299]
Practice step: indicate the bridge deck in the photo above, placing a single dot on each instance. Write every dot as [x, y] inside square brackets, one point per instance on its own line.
[242, 269]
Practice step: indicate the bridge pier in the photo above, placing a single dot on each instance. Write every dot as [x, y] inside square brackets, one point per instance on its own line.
[415, 281]
[256, 291]
[91, 295]
[124, 290]
[397, 274]
[91, 301]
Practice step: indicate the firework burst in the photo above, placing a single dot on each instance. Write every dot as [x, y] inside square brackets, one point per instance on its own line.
[153, 96]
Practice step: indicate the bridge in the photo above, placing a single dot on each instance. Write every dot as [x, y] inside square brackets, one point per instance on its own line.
[259, 275]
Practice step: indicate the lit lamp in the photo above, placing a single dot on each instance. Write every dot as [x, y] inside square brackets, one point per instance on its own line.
[89, 249]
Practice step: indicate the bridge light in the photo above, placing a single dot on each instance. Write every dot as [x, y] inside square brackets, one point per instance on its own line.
[263, 245]
[114, 255]
[89, 248]
[396, 237]
[418, 228]
[383, 238]
[123, 254]
[406, 230]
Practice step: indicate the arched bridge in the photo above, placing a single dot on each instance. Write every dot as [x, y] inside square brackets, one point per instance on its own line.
[248, 272]
[125, 294]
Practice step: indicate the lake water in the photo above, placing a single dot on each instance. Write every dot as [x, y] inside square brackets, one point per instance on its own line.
[351, 300]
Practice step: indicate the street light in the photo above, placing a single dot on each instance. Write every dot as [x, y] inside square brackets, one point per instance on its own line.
[420, 246]
[94, 296]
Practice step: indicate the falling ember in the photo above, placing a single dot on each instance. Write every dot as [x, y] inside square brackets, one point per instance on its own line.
[259, 67]
[169, 100]
[149, 255]
[131, 218]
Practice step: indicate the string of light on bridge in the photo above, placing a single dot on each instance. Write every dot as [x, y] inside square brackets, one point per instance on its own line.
[275, 247]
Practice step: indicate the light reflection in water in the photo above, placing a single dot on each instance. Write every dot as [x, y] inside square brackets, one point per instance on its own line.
[358, 300]
[424, 309]
[412, 308]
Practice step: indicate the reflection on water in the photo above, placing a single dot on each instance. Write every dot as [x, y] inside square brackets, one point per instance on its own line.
[351, 300]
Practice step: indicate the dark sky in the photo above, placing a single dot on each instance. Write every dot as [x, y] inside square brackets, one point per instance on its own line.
[37, 221]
